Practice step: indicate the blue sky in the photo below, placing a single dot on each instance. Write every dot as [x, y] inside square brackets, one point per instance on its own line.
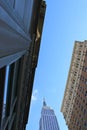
[65, 22]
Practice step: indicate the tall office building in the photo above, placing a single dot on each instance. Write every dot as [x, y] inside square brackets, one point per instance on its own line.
[74, 106]
[21, 24]
[48, 120]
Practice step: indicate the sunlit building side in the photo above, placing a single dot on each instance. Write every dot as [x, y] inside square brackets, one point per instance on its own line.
[74, 105]
[21, 24]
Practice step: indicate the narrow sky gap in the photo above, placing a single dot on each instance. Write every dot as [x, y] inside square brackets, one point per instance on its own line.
[6, 83]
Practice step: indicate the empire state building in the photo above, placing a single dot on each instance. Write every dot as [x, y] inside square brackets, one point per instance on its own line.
[48, 120]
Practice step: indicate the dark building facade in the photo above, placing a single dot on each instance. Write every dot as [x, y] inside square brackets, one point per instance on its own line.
[48, 120]
[21, 24]
[74, 106]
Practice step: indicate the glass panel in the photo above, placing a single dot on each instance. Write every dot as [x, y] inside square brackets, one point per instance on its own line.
[19, 7]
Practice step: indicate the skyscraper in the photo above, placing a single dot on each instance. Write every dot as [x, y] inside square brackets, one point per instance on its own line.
[74, 106]
[48, 120]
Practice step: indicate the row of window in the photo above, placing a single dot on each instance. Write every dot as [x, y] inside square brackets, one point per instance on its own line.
[49, 122]
[77, 122]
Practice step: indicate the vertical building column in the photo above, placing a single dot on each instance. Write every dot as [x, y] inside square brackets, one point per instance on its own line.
[14, 84]
[9, 90]
[2, 83]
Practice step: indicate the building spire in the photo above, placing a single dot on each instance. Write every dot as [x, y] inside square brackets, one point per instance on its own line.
[44, 102]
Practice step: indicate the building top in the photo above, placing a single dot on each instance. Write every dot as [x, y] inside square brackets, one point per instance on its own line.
[45, 106]
[44, 102]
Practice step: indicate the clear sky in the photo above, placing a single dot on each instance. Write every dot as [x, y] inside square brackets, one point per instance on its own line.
[65, 22]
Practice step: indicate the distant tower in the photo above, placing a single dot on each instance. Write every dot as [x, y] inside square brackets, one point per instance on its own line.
[48, 120]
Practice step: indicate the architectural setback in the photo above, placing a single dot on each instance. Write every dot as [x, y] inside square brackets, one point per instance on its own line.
[48, 120]
[74, 105]
[21, 24]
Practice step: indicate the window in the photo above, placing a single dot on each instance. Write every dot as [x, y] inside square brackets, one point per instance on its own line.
[86, 53]
[77, 123]
[81, 45]
[83, 68]
[86, 69]
[86, 93]
[81, 107]
[84, 112]
[85, 125]
[85, 81]
[78, 58]
[79, 127]
[83, 100]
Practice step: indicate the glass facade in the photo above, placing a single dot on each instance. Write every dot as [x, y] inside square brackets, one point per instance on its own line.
[48, 120]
